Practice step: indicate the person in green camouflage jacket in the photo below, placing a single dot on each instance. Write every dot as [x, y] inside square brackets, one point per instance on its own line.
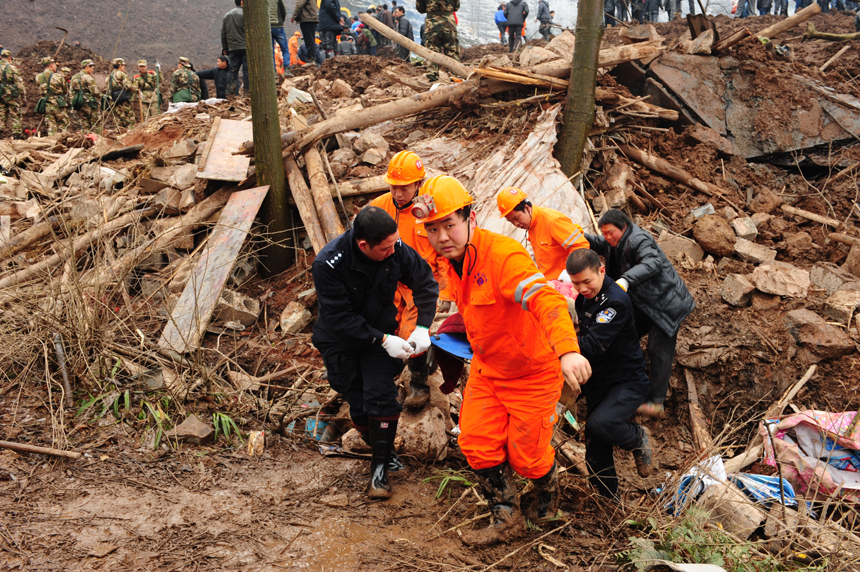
[52, 85]
[12, 93]
[146, 85]
[84, 82]
[184, 83]
[123, 113]
[440, 29]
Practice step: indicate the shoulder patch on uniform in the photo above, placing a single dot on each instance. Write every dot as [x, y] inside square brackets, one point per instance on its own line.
[606, 316]
[335, 259]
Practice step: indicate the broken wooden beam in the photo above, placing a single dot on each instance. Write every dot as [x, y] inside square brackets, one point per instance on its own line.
[699, 426]
[329, 219]
[745, 459]
[607, 58]
[305, 203]
[365, 186]
[811, 216]
[31, 235]
[797, 19]
[429, 55]
[40, 450]
[844, 238]
[732, 40]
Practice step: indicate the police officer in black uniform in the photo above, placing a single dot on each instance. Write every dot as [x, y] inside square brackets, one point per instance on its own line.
[618, 384]
[355, 276]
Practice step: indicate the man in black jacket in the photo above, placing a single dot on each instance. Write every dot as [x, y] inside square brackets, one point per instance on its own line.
[618, 385]
[329, 26]
[356, 276]
[403, 27]
[516, 12]
[233, 45]
[660, 299]
[544, 18]
[220, 74]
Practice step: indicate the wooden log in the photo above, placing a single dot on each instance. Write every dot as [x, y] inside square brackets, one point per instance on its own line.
[429, 55]
[701, 436]
[835, 57]
[40, 450]
[745, 459]
[365, 186]
[797, 19]
[31, 235]
[811, 216]
[609, 97]
[811, 34]
[305, 203]
[331, 225]
[198, 213]
[665, 168]
[732, 40]
[79, 244]
[843, 238]
[608, 57]
[385, 112]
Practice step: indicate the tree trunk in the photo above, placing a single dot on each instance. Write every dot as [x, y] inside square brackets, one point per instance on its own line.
[579, 109]
[279, 253]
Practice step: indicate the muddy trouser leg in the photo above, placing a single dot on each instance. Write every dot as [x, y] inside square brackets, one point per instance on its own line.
[608, 426]
[661, 349]
[514, 34]
[234, 58]
[419, 391]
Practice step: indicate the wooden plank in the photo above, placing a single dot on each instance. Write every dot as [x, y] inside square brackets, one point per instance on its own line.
[192, 312]
[64, 162]
[221, 163]
[701, 436]
[208, 146]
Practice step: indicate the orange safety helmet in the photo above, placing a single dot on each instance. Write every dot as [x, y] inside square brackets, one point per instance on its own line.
[405, 168]
[508, 198]
[439, 197]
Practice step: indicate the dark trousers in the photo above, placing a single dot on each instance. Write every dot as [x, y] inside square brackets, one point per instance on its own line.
[607, 425]
[280, 37]
[653, 15]
[661, 350]
[544, 30]
[238, 58]
[328, 42]
[515, 35]
[309, 31]
[502, 28]
[366, 380]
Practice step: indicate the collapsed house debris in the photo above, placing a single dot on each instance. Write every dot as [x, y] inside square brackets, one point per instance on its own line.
[142, 252]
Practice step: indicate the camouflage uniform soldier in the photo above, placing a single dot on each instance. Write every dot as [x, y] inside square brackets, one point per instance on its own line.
[184, 83]
[123, 113]
[84, 82]
[12, 93]
[52, 85]
[440, 29]
[146, 85]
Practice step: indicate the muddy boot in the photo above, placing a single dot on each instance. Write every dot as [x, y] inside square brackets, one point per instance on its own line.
[394, 463]
[642, 454]
[419, 391]
[380, 446]
[500, 491]
[541, 503]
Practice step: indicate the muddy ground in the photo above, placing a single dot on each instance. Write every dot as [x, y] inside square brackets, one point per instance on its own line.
[129, 505]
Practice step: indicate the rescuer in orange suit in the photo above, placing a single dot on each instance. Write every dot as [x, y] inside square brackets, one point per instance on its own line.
[552, 234]
[404, 177]
[525, 349]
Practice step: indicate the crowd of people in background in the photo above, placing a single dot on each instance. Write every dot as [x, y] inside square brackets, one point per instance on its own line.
[617, 11]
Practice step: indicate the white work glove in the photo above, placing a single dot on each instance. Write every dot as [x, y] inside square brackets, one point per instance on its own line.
[623, 283]
[398, 348]
[421, 339]
[564, 277]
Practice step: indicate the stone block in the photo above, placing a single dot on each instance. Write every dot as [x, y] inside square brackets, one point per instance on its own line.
[346, 156]
[781, 279]
[829, 277]
[749, 251]
[294, 318]
[824, 341]
[852, 263]
[370, 141]
[745, 228]
[340, 88]
[799, 244]
[841, 305]
[296, 96]
[737, 289]
[762, 301]
[373, 156]
[701, 134]
[673, 245]
[766, 202]
[728, 213]
[533, 55]
[184, 148]
[715, 235]
[193, 430]
[233, 306]
[760, 218]
[801, 317]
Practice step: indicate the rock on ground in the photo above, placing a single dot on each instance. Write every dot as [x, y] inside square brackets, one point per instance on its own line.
[715, 235]
[766, 202]
[737, 289]
[782, 279]
[749, 251]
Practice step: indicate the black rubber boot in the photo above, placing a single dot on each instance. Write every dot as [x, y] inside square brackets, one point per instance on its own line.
[642, 454]
[541, 503]
[419, 391]
[500, 490]
[394, 463]
[381, 440]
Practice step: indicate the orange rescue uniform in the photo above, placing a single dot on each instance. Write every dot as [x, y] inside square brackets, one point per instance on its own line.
[412, 234]
[293, 46]
[518, 327]
[553, 236]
